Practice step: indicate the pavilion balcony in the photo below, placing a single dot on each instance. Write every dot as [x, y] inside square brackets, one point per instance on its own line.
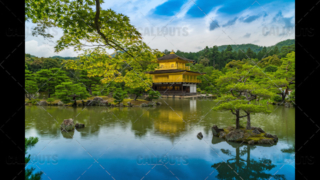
[168, 67]
[175, 80]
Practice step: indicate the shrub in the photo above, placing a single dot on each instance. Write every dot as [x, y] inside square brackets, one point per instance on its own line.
[277, 98]
[154, 95]
[50, 100]
[119, 95]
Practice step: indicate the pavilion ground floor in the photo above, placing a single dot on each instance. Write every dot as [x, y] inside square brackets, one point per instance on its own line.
[180, 89]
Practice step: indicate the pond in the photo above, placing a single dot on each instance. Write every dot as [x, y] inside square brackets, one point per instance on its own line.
[157, 143]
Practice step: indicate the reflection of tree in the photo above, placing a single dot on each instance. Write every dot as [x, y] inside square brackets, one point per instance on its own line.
[289, 150]
[141, 122]
[238, 168]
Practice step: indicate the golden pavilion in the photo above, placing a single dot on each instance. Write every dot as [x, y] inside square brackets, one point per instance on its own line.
[173, 77]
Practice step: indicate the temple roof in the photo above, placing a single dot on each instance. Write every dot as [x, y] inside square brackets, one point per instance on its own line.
[173, 56]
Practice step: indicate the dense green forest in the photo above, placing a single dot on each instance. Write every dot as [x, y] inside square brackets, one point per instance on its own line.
[219, 58]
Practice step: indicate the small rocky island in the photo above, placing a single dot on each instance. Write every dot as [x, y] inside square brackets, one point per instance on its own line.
[253, 136]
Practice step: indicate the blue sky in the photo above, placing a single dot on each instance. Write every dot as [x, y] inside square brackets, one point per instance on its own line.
[190, 25]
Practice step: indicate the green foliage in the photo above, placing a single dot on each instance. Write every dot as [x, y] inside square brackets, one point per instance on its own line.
[29, 175]
[31, 86]
[48, 79]
[277, 98]
[50, 100]
[292, 96]
[137, 92]
[68, 92]
[90, 83]
[270, 60]
[235, 64]
[271, 69]
[33, 101]
[154, 95]
[119, 95]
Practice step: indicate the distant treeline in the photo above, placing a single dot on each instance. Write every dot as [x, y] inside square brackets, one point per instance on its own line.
[219, 56]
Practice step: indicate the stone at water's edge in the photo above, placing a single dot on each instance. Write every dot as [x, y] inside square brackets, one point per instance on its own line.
[234, 135]
[199, 135]
[158, 103]
[143, 105]
[78, 125]
[259, 129]
[255, 135]
[43, 103]
[266, 141]
[275, 137]
[222, 134]
[256, 131]
[67, 125]
[216, 130]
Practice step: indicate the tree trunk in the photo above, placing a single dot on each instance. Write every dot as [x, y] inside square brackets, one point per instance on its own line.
[237, 119]
[136, 97]
[90, 91]
[248, 122]
[75, 101]
[48, 93]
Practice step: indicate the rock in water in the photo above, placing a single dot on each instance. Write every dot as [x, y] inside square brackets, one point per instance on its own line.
[129, 104]
[215, 130]
[43, 103]
[79, 125]
[234, 135]
[251, 142]
[259, 129]
[143, 105]
[222, 134]
[158, 103]
[200, 136]
[266, 141]
[67, 125]
[256, 131]
[275, 137]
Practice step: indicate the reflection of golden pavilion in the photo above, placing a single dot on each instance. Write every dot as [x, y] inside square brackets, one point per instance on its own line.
[169, 121]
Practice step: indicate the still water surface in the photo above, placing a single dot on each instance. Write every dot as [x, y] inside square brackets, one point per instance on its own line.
[156, 143]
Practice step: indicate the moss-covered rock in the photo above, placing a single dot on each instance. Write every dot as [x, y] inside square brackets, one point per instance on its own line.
[252, 136]
[67, 125]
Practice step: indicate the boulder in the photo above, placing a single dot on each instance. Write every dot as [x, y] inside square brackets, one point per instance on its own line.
[215, 130]
[234, 135]
[104, 103]
[43, 103]
[89, 103]
[129, 104]
[251, 142]
[143, 105]
[78, 125]
[259, 129]
[158, 103]
[67, 125]
[97, 99]
[121, 105]
[275, 137]
[151, 104]
[256, 131]
[266, 141]
[222, 134]
[199, 135]
[60, 103]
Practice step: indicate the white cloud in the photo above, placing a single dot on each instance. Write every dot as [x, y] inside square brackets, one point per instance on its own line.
[46, 50]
